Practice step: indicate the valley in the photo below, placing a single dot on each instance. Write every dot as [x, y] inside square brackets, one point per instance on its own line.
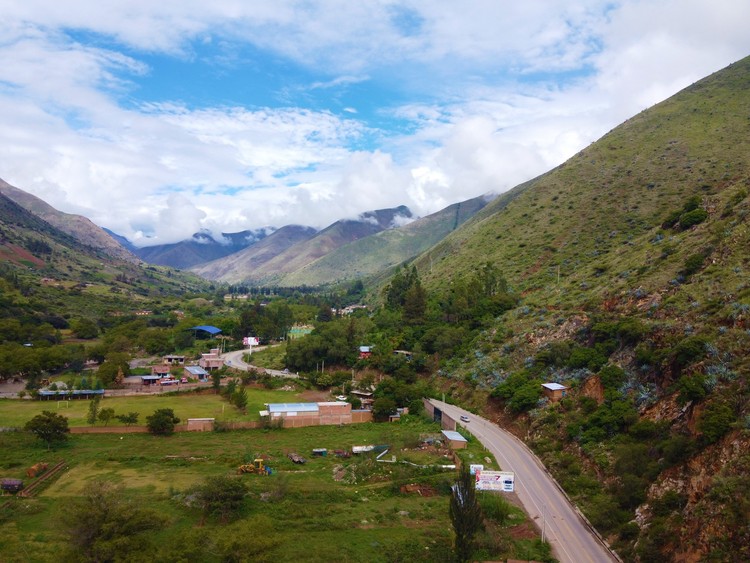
[618, 277]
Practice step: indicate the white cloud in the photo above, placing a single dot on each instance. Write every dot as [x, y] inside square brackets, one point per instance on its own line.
[489, 95]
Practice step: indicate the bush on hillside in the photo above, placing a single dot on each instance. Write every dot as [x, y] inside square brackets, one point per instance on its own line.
[692, 218]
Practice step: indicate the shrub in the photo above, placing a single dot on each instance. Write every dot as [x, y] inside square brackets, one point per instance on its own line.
[162, 422]
[689, 350]
[494, 507]
[589, 358]
[715, 421]
[612, 377]
[691, 388]
[668, 503]
[691, 218]
[693, 264]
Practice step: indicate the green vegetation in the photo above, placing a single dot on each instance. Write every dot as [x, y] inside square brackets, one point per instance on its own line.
[621, 274]
[189, 478]
[51, 428]
[14, 413]
[465, 514]
[162, 422]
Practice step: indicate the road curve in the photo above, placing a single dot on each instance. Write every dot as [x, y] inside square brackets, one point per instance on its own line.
[572, 540]
[235, 360]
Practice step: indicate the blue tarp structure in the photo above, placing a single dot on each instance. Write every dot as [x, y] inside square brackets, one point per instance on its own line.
[207, 328]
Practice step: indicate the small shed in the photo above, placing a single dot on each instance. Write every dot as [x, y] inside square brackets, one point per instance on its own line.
[455, 440]
[554, 391]
[150, 379]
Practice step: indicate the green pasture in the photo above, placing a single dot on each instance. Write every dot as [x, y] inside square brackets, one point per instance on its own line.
[329, 509]
[15, 412]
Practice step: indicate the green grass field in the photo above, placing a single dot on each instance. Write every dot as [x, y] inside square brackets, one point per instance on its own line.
[15, 413]
[329, 509]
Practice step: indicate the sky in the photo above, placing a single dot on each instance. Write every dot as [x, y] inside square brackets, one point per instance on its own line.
[160, 119]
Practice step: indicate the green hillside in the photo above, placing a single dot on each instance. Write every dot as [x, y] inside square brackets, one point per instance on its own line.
[382, 251]
[602, 210]
[631, 262]
[32, 248]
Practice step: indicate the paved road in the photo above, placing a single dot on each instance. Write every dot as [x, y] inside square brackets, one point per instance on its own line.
[571, 539]
[234, 360]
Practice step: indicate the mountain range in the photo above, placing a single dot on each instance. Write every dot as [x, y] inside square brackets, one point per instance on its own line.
[293, 255]
[629, 263]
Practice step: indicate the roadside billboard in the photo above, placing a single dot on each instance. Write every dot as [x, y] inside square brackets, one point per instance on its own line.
[250, 341]
[495, 481]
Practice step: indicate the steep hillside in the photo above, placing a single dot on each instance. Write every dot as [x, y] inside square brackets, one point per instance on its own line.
[202, 247]
[606, 205]
[42, 254]
[237, 269]
[75, 225]
[380, 252]
[240, 265]
[631, 262]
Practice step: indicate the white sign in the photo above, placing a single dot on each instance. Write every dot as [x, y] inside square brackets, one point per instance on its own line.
[250, 341]
[474, 469]
[495, 481]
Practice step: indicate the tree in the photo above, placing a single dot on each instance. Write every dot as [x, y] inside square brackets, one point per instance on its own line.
[84, 328]
[465, 513]
[49, 427]
[162, 422]
[239, 398]
[106, 414]
[93, 410]
[221, 497]
[128, 419]
[104, 526]
[216, 381]
[383, 407]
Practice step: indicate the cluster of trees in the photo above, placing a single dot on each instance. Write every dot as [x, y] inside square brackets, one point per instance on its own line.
[105, 415]
[439, 325]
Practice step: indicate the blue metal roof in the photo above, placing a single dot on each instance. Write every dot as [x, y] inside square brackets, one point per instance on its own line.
[207, 328]
[293, 407]
[196, 370]
[455, 436]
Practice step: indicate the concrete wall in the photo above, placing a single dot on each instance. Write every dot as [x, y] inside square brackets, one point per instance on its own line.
[200, 425]
[446, 423]
[354, 417]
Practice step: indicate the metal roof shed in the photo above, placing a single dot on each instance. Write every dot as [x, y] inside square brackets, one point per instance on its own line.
[196, 371]
[292, 409]
[212, 330]
[455, 440]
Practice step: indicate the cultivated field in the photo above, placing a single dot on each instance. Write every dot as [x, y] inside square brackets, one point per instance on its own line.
[328, 509]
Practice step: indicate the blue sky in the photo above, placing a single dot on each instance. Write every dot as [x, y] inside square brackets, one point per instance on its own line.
[157, 120]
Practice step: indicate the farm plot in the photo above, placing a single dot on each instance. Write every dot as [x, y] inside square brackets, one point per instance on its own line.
[372, 517]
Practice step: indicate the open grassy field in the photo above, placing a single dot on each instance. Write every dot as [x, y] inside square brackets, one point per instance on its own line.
[329, 509]
[15, 413]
